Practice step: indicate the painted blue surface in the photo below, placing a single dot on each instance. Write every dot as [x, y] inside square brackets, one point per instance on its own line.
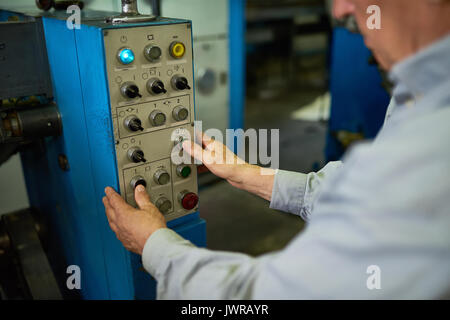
[358, 101]
[237, 26]
[71, 200]
[69, 197]
[89, 41]
[4, 15]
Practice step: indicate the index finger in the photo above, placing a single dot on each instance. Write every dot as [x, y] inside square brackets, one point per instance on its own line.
[115, 200]
[202, 139]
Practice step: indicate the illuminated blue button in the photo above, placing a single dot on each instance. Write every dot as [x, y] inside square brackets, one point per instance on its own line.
[126, 56]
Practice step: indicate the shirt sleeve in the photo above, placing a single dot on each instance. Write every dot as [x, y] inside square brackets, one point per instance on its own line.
[184, 271]
[355, 246]
[296, 193]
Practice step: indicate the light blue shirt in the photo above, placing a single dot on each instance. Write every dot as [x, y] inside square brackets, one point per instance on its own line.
[385, 209]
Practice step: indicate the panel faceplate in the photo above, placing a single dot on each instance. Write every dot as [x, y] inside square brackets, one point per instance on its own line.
[152, 102]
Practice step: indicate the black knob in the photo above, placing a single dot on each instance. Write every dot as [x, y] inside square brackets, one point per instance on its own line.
[130, 90]
[156, 86]
[138, 180]
[136, 155]
[133, 123]
[180, 83]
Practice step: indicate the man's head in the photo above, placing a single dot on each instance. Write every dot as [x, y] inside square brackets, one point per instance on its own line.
[406, 25]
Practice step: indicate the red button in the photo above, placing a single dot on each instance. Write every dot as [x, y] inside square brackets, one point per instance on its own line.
[189, 201]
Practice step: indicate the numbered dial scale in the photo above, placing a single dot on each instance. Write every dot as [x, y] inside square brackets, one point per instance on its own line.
[152, 104]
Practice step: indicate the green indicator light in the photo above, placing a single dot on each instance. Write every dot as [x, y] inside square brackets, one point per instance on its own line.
[185, 172]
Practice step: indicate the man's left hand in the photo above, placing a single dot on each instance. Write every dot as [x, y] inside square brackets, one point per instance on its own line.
[132, 226]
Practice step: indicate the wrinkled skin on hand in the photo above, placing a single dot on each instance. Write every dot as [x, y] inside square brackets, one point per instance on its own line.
[132, 226]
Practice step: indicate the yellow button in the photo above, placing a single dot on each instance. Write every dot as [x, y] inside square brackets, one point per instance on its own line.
[177, 50]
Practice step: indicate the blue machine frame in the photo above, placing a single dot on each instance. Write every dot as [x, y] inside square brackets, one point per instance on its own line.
[70, 201]
[237, 63]
[359, 102]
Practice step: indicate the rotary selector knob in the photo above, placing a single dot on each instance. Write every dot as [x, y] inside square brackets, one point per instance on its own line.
[161, 177]
[157, 118]
[180, 83]
[130, 90]
[138, 180]
[188, 199]
[152, 53]
[180, 113]
[156, 86]
[183, 171]
[163, 204]
[133, 123]
[136, 155]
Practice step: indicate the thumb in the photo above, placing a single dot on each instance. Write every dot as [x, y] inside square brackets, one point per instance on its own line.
[142, 198]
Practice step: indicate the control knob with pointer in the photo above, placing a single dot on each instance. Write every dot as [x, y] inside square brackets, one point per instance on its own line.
[180, 83]
[136, 155]
[156, 86]
[133, 123]
[130, 90]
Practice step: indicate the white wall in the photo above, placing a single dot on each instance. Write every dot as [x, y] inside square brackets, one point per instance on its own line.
[210, 19]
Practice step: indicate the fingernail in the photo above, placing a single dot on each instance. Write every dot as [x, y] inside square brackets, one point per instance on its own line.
[140, 188]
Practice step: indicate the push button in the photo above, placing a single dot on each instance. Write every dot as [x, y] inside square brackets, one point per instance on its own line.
[180, 113]
[177, 49]
[163, 204]
[125, 56]
[188, 199]
[152, 53]
[138, 180]
[157, 118]
[161, 177]
[183, 171]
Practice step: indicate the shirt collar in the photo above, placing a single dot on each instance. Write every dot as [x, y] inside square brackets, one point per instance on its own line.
[418, 74]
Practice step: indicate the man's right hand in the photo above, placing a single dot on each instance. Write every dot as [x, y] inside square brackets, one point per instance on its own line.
[225, 164]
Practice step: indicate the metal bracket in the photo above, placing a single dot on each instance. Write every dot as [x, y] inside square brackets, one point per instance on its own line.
[130, 14]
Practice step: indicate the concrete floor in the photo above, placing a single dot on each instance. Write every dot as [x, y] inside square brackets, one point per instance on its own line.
[241, 222]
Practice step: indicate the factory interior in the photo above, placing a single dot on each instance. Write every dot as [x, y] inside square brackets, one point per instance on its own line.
[285, 66]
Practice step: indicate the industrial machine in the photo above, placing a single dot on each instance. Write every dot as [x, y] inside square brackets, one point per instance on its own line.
[121, 99]
[359, 94]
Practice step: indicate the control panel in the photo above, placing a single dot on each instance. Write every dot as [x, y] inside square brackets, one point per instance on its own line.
[150, 77]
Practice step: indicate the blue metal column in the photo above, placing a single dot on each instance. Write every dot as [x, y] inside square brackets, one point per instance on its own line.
[237, 21]
[358, 100]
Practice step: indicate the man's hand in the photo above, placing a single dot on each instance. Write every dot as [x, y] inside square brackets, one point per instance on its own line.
[132, 226]
[217, 158]
[225, 164]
